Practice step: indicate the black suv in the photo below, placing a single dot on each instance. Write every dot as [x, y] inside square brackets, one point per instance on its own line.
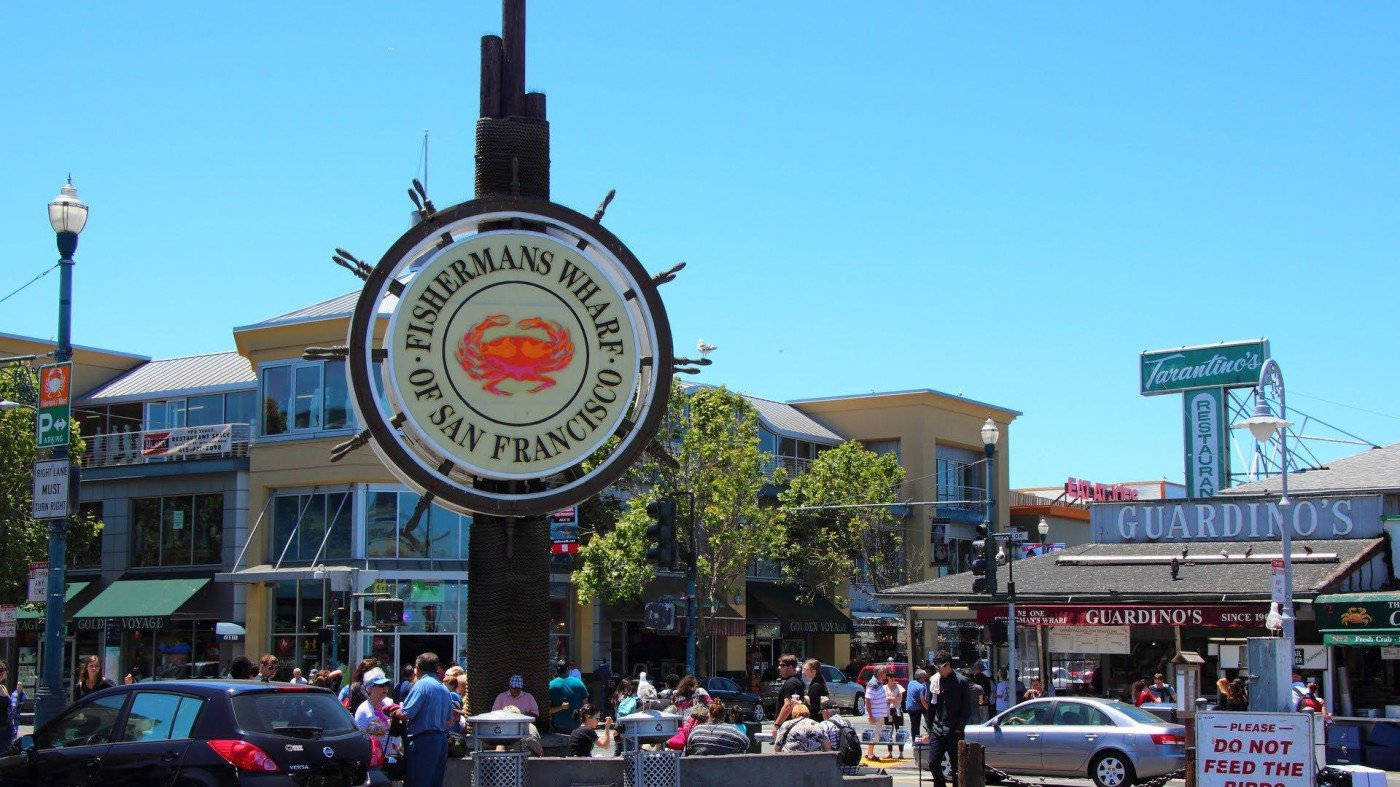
[195, 732]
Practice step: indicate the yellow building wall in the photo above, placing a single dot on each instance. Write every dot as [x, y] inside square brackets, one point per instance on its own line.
[921, 421]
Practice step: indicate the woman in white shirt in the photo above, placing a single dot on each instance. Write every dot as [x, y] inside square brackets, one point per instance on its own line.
[371, 719]
[894, 691]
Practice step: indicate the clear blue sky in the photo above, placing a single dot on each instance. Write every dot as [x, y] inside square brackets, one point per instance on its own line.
[1004, 201]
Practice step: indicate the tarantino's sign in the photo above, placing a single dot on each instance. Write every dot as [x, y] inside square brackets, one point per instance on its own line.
[1245, 520]
[513, 355]
[1208, 366]
[1223, 616]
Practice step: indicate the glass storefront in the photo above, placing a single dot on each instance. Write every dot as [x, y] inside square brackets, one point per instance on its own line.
[434, 620]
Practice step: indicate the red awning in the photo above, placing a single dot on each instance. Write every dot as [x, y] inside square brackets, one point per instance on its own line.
[1211, 616]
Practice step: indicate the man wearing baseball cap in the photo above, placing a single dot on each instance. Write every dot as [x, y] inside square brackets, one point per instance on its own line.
[515, 695]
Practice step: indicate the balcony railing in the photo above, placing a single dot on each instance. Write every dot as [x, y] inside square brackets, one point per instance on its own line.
[179, 444]
[792, 464]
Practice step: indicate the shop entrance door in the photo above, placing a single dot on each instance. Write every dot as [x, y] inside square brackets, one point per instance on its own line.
[411, 646]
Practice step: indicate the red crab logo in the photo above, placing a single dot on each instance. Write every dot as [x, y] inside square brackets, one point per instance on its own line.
[517, 356]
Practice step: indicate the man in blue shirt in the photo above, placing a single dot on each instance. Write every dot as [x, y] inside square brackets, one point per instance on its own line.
[916, 702]
[428, 709]
[566, 695]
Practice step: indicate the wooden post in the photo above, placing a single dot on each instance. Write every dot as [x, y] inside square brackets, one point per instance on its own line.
[971, 765]
[1190, 762]
[491, 77]
[513, 61]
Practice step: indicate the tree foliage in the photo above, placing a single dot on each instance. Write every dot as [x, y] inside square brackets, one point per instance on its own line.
[834, 529]
[22, 538]
[712, 436]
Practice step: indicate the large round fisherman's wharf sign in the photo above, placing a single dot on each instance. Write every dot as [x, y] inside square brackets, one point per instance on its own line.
[513, 354]
[525, 363]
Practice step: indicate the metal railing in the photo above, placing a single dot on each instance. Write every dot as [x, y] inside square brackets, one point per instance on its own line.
[794, 465]
[177, 444]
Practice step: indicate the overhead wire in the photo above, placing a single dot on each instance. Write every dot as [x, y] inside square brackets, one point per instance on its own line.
[21, 288]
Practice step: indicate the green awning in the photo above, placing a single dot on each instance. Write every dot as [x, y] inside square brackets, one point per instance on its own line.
[1358, 598]
[73, 589]
[1352, 615]
[139, 603]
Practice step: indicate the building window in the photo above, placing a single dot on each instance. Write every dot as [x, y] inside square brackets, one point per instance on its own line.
[299, 610]
[202, 410]
[304, 397]
[960, 477]
[882, 447]
[300, 526]
[178, 530]
[438, 534]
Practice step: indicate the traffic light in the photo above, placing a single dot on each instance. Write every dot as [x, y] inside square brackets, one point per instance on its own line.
[984, 563]
[661, 533]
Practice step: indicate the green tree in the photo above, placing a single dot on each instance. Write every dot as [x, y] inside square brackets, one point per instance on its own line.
[835, 524]
[710, 437]
[22, 538]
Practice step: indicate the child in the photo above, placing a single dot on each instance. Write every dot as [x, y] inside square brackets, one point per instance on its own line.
[585, 737]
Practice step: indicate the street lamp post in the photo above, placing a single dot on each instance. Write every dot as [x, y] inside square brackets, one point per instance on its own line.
[67, 216]
[1263, 424]
[990, 436]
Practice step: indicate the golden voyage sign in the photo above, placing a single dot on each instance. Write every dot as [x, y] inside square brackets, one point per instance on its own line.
[513, 354]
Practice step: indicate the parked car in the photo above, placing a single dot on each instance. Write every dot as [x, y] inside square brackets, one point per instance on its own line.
[841, 688]
[1110, 742]
[205, 732]
[734, 696]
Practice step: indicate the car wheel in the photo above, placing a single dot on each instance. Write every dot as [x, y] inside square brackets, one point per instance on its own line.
[1111, 769]
[860, 705]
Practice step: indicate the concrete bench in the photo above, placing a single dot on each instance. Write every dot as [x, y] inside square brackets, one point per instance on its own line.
[814, 769]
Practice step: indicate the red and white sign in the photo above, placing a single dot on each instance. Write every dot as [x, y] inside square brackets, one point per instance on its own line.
[1276, 573]
[564, 548]
[38, 582]
[54, 385]
[1237, 749]
[1221, 616]
[1079, 489]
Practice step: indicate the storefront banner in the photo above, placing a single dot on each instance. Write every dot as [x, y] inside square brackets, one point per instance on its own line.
[1089, 639]
[1311, 518]
[1361, 615]
[1205, 417]
[1238, 748]
[135, 623]
[1227, 616]
[1380, 640]
[1227, 365]
[189, 441]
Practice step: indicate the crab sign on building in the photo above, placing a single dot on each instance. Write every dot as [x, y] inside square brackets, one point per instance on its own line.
[523, 337]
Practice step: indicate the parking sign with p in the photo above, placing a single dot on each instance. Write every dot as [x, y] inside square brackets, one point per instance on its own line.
[52, 424]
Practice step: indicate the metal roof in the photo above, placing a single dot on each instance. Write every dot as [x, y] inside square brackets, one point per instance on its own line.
[339, 306]
[782, 419]
[1042, 578]
[226, 371]
[876, 395]
[1372, 470]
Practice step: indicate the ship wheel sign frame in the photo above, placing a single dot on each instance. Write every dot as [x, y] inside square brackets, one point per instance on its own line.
[527, 360]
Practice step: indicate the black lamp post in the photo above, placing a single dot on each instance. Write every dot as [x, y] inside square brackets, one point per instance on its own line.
[67, 215]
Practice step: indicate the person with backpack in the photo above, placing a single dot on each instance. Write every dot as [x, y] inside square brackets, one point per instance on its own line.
[840, 734]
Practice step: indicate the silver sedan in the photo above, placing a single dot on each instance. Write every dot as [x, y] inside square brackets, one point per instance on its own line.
[1113, 743]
